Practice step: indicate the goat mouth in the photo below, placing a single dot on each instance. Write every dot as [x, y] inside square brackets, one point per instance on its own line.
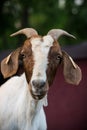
[38, 96]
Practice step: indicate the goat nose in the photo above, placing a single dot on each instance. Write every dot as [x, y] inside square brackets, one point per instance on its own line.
[38, 83]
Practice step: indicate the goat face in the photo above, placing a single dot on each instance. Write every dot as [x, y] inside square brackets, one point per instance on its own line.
[40, 57]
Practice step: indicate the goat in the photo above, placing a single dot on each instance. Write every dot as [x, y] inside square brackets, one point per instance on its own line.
[22, 97]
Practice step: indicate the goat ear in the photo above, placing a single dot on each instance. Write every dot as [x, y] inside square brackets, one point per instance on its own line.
[71, 70]
[9, 65]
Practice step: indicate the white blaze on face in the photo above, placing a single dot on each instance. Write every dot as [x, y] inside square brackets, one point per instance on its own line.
[40, 49]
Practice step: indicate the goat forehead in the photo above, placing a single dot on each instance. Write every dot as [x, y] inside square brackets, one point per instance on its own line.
[40, 49]
[46, 41]
[41, 46]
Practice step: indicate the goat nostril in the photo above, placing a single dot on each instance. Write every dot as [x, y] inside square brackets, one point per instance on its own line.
[38, 83]
[42, 84]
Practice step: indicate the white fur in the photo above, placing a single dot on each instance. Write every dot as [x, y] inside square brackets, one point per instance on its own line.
[18, 110]
[40, 48]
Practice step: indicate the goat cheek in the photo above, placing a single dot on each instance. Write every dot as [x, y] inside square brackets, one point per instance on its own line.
[51, 72]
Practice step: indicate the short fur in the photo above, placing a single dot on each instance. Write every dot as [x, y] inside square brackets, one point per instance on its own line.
[18, 110]
[22, 97]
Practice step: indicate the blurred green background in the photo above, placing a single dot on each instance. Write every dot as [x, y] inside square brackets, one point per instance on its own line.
[43, 15]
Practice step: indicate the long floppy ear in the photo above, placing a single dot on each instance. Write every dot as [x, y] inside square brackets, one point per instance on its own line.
[71, 70]
[9, 65]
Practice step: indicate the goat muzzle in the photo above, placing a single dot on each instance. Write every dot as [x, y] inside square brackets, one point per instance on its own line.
[39, 89]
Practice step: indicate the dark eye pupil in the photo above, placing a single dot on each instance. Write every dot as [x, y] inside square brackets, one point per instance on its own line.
[59, 58]
[22, 56]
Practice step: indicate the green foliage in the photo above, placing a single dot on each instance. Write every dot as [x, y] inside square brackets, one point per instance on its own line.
[42, 15]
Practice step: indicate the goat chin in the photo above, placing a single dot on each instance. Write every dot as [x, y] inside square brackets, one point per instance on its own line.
[38, 97]
[21, 110]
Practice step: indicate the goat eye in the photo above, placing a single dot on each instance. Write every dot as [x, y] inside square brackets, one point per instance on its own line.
[59, 58]
[23, 56]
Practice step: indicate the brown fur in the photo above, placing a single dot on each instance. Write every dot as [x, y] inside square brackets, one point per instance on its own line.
[72, 72]
[10, 68]
[54, 58]
[28, 61]
[72, 75]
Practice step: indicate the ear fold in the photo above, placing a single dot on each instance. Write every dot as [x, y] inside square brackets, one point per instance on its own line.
[9, 65]
[71, 70]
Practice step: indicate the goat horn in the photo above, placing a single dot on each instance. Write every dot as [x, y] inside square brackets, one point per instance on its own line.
[56, 33]
[28, 32]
